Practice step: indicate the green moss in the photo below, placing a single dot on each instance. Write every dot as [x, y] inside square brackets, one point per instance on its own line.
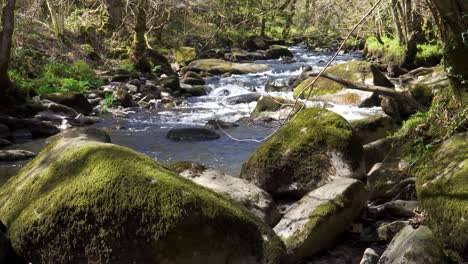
[410, 125]
[181, 166]
[274, 103]
[184, 55]
[88, 199]
[442, 188]
[354, 71]
[389, 53]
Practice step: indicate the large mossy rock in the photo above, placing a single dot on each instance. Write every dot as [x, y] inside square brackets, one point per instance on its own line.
[84, 201]
[442, 188]
[73, 100]
[417, 246]
[313, 223]
[316, 147]
[254, 43]
[184, 55]
[359, 72]
[278, 51]
[275, 108]
[217, 66]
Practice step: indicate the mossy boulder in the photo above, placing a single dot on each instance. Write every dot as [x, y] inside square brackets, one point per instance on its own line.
[416, 246]
[314, 223]
[383, 177]
[83, 201]
[73, 100]
[254, 43]
[277, 52]
[275, 108]
[442, 188]
[317, 146]
[359, 72]
[217, 66]
[374, 127]
[184, 55]
[89, 133]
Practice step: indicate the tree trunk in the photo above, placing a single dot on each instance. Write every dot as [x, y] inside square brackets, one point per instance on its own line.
[455, 35]
[263, 25]
[8, 24]
[115, 11]
[289, 18]
[139, 42]
[397, 23]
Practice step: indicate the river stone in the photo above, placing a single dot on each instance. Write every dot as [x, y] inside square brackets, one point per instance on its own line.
[244, 56]
[317, 147]
[373, 128]
[442, 187]
[370, 256]
[359, 72]
[313, 223]
[124, 98]
[256, 200]
[196, 90]
[216, 66]
[387, 231]
[243, 98]
[116, 204]
[278, 51]
[26, 128]
[254, 43]
[88, 133]
[219, 124]
[73, 100]
[376, 151]
[193, 133]
[416, 246]
[15, 155]
[5, 143]
[395, 209]
[383, 178]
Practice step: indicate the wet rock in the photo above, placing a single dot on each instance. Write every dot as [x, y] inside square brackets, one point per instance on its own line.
[387, 230]
[383, 178]
[243, 98]
[376, 151]
[216, 66]
[195, 90]
[314, 223]
[416, 246]
[317, 147]
[58, 109]
[244, 56]
[193, 81]
[373, 101]
[397, 110]
[373, 128]
[4, 131]
[370, 256]
[73, 100]
[20, 135]
[170, 82]
[270, 87]
[27, 128]
[15, 155]
[88, 133]
[397, 209]
[256, 200]
[7, 254]
[92, 183]
[278, 51]
[180, 134]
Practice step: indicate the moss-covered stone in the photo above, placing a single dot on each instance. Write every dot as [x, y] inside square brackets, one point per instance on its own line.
[184, 55]
[278, 51]
[374, 127]
[85, 201]
[354, 71]
[314, 222]
[442, 187]
[274, 103]
[73, 100]
[314, 147]
[217, 66]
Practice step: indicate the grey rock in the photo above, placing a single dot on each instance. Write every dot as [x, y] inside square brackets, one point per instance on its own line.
[181, 134]
[15, 155]
[370, 256]
[243, 98]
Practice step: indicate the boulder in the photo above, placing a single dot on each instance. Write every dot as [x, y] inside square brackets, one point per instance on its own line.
[313, 149]
[15, 155]
[256, 200]
[244, 56]
[417, 246]
[184, 55]
[355, 71]
[275, 109]
[271, 87]
[124, 98]
[171, 82]
[370, 256]
[193, 133]
[387, 231]
[376, 152]
[21, 128]
[277, 52]
[193, 81]
[88, 133]
[243, 98]
[397, 110]
[383, 178]
[394, 209]
[373, 128]
[442, 187]
[314, 223]
[196, 90]
[73, 100]
[116, 204]
[216, 66]
[5, 143]
[58, 109]
[254, 43]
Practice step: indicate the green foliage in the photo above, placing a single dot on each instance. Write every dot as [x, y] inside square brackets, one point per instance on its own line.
[390, 51]
[426, 51]
[409, 126]
[109, 101]
[56, 76]
[127, 66]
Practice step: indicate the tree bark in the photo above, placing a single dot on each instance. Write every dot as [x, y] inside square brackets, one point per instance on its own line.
[289, 18]
[8, 24]
[397, 23]
[139, 42]
[455, 34]
[115, 11]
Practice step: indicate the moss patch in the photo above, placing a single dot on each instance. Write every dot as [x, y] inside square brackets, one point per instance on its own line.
[274, 103]
[81, 200]
[354, 71]
[184, 55]
[298, 152]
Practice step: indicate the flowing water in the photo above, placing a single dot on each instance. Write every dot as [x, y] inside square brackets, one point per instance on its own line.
[145, 131]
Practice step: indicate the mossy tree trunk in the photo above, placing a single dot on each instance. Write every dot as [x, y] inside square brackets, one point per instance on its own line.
[115, 11]
[289, 18]
[7, 90]
[454, 15]
[139, 43]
